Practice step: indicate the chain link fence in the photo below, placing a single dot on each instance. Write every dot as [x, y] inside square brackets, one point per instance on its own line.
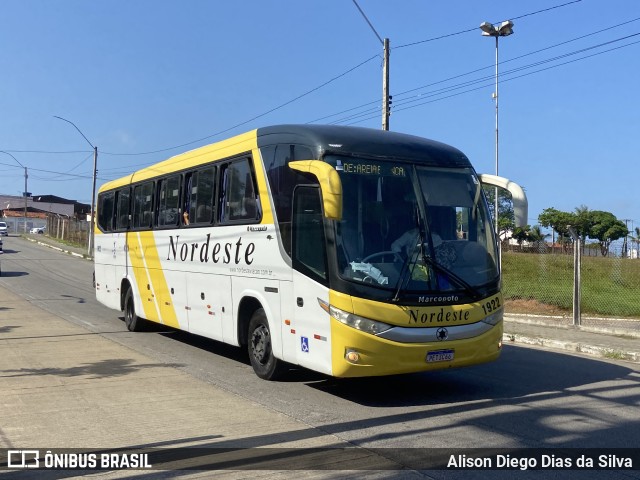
[542, 281]
[69, 230]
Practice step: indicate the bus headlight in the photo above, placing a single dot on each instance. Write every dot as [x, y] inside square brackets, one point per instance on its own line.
[495, 318]
[359, 323]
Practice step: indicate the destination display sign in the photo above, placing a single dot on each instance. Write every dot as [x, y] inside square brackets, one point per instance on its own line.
[377, 169]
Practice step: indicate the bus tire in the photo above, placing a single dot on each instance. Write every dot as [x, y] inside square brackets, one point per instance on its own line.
[264, 363]
[131, 319]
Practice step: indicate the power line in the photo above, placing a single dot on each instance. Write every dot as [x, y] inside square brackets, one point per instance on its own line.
[251, 119]
[474, 29]
[375, 109]
[31, 169]
[295, 98]
[490, 84]
[532, 65]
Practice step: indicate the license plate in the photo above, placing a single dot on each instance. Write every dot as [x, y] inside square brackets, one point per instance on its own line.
[440, 356]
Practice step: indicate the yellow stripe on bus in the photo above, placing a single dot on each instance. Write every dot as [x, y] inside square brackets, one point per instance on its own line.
[148, 271]
[141, 277]
[158, 280]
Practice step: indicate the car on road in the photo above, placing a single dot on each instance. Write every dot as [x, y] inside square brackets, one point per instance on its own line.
[39, 230]
[4, 230]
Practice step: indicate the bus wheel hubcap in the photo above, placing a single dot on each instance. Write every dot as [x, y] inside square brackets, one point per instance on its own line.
[260, 343]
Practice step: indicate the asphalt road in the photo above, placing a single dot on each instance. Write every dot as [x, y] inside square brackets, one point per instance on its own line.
[530, 398]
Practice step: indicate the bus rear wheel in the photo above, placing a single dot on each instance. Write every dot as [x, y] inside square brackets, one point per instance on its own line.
[131, 319]
[264, 363]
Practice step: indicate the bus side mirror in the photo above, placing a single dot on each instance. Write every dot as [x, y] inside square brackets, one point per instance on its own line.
[520, 203]
[330, 185]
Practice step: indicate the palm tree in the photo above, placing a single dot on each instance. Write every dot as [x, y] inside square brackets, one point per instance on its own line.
[538, 238]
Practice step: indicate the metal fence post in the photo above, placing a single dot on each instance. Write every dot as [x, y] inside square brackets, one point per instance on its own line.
[576, 275]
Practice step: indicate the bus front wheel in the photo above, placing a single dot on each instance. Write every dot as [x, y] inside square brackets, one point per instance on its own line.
[264, 363]
[131, 319]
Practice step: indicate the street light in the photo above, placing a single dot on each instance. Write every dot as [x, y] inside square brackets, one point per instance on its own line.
[25, 187]
[93, 189]
[503, 30]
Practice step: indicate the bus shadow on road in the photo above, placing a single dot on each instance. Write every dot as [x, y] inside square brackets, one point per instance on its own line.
[295, 374]
[520, 372]
[5, 274]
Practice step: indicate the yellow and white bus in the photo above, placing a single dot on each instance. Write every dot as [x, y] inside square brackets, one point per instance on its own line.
[348, 251]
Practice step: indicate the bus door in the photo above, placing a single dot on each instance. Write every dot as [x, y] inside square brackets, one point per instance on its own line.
[120, 244]
[310, 279]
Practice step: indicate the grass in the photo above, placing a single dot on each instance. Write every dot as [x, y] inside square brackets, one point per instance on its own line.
[610, 286]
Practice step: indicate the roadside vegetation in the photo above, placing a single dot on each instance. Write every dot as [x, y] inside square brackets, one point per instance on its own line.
[543, 283]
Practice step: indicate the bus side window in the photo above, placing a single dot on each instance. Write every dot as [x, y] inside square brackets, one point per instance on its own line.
[206, 195]
[238, 197]
[188, 193]
[168, 201]
[309, 251]
[199, 196]
[143, 206]
[123, 205]
[105, 211]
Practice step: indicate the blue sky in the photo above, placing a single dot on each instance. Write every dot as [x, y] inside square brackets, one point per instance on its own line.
[140, 76]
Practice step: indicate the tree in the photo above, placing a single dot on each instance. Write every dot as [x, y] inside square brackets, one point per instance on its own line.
[530, 234]
[506, 217]
[582, 222]
[606, 228]
[538, 238]
[521, 234]
[558, 220]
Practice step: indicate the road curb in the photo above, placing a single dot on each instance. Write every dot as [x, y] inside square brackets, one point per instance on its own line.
[59, 249]
[576, 347]
[607, 325]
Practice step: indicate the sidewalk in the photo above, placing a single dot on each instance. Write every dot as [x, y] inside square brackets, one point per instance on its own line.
[613, 339]
[64, 387]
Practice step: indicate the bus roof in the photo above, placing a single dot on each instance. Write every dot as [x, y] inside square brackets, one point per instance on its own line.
[322, 139]
[367, 142]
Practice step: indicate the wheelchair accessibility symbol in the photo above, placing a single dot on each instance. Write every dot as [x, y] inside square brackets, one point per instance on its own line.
[304, 344]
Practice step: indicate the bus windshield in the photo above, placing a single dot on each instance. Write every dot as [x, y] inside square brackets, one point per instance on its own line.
[414, 229]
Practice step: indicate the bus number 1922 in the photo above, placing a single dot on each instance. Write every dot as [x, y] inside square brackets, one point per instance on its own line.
[491, 306]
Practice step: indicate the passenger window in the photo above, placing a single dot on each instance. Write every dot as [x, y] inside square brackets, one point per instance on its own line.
[238, 201]
[199, 197]
[309, 250]
[169, 201]
[123, 205]
[105, 211]
[143, 205]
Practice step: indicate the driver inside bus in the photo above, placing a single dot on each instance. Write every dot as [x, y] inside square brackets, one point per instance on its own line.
[408, 242]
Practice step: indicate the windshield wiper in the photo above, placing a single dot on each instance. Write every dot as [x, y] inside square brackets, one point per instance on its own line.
[407, 267]
[474, 293]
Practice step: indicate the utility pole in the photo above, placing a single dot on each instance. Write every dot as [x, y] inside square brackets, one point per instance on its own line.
[93, 192]
[93, 200]
[385, 86]
[25, 193]
[386, 98]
